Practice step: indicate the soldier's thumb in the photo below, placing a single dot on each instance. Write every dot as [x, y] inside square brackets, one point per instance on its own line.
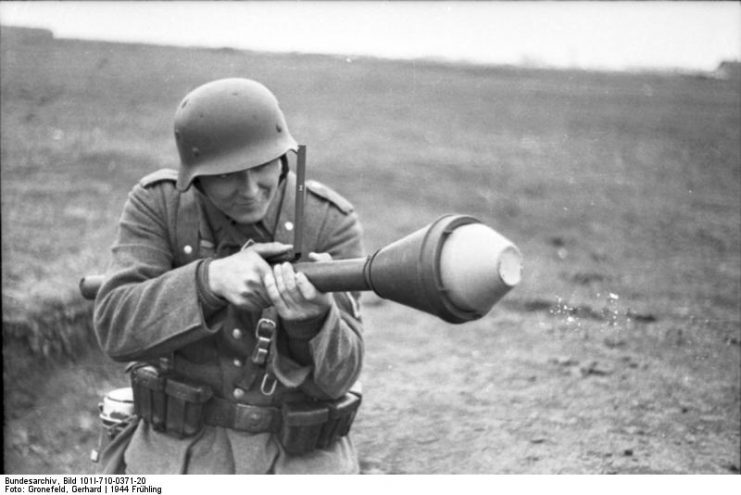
[270, 249]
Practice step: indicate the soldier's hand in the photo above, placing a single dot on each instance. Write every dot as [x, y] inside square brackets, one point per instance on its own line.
[293, 295]
[239, 278]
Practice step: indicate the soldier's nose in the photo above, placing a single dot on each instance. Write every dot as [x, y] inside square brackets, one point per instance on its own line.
[248, 184]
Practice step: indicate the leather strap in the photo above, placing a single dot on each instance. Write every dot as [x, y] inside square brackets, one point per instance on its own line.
[242, 417]
[185, 240]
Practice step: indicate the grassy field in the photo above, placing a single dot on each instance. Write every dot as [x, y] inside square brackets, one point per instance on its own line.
[619, 352]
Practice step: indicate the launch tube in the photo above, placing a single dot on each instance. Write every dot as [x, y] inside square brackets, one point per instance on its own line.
[335, 276]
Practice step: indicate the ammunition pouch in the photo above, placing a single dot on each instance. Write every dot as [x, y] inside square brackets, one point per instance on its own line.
[180, 408]
[169, 404]
[317, 425]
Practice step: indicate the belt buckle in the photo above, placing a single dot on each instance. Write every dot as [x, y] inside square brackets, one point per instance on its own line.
[251, 418]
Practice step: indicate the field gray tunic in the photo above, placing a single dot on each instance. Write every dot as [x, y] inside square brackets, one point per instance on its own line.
[149, 307]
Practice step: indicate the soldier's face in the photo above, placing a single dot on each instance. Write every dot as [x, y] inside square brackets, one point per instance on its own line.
[244, 196]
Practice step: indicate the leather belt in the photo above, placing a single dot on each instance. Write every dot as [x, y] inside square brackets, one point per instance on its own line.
[242, 417]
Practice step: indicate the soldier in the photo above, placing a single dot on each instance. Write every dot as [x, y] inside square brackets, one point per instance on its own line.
[240, 365]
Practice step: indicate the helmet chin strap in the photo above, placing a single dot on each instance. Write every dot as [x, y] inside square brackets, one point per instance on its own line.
[283, 167]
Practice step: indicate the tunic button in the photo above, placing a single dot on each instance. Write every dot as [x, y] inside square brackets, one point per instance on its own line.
[237, 362]
[237, 333]
[238, 393]
[187, 249]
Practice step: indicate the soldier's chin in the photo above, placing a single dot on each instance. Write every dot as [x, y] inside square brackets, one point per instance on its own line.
[248, 215]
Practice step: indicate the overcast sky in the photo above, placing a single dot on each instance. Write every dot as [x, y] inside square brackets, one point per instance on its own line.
[610, 35]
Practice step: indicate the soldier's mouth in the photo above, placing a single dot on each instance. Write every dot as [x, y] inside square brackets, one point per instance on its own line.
[249, 203]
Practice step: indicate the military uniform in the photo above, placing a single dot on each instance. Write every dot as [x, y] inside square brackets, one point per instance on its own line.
[150, 307]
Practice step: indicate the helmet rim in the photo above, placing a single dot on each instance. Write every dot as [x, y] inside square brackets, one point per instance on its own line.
[234, 161]
[229, 125]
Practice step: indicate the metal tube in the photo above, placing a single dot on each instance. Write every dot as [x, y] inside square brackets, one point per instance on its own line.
[327, 276]
[298, 221]
[336, 275]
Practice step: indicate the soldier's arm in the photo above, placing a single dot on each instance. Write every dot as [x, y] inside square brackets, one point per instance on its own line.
[144, 308]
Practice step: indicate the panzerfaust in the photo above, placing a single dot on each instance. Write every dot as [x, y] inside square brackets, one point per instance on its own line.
[456, 268]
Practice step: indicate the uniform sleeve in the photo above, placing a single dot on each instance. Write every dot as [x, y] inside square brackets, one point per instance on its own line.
[325, 358]
[145, 309]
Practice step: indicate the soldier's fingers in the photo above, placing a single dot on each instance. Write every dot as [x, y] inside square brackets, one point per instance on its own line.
[271, 287]
[307, 289]
[263, 299]
[289, 277]
[277, 274]
[248, 262]
[248, 301]
[255, 292]
[269, 249]
[284, 278]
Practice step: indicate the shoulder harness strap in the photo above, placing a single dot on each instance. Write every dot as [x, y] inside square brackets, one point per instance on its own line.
[285, 222]
[184, 241]
[187, 224]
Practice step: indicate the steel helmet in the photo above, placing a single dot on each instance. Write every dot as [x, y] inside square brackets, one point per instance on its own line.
[226, 126]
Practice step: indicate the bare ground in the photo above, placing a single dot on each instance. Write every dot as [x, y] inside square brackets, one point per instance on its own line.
[525, 390]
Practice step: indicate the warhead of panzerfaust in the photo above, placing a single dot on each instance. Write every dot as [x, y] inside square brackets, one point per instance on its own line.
[456, 268]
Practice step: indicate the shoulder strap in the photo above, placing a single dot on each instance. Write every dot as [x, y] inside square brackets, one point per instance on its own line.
[285, 222]
[330, 195]
[159, 176]
[185, 239]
